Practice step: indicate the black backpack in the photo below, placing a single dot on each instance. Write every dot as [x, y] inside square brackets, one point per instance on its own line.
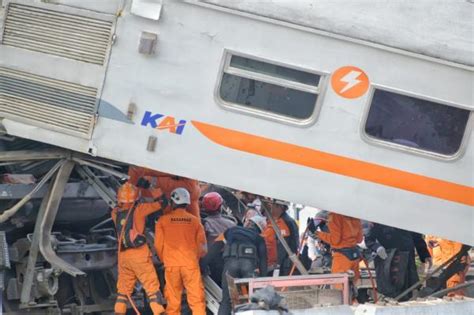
[129, 237]
[391, 272]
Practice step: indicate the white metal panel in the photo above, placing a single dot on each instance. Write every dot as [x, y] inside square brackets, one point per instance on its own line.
[43, 101]
[180, 81]
[441, 30]
[62, 34]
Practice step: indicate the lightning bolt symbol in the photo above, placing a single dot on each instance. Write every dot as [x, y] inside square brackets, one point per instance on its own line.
[351, 80]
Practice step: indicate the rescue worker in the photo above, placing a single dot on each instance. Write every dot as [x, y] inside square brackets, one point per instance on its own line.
[167, 183]
[180, 242]
[442, 250]
[343, 236]
[134, 255]
[318, 251]
[244, 255]
[289, 231]
[394, 245]
[214, 225]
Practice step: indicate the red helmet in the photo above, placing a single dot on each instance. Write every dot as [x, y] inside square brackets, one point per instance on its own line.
[212, 202]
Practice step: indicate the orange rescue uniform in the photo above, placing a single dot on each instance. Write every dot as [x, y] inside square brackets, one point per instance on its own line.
[271, 244]
[180, 241]
[136, 264]
[442, 253]
[167, 183]
[271, 240]
[344, 232]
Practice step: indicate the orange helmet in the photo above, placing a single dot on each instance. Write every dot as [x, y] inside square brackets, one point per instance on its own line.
[127, 193]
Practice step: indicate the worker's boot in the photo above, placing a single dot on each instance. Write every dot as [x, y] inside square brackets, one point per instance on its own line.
[156, 303]
[156, 308]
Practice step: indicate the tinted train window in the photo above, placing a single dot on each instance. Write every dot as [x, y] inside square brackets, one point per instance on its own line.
[263, 87]
[416, 123]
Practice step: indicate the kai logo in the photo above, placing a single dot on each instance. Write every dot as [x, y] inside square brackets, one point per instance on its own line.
[161, 122]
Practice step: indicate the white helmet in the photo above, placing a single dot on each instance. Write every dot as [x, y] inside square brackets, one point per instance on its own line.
[260, 221]
[180, 196]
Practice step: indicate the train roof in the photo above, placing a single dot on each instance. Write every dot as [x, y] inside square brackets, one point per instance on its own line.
[442, 29]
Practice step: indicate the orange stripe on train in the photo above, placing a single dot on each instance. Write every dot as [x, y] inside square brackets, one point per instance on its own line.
[337, 164]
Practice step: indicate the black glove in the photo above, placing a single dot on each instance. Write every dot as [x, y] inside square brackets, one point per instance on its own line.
[311, 225]
[143, 183]
[163, 201]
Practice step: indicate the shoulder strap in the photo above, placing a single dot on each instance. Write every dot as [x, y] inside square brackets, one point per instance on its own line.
[122, 231]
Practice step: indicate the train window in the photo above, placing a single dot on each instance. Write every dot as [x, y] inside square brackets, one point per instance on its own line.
[268, 89]
[416, 123]
[274, 70]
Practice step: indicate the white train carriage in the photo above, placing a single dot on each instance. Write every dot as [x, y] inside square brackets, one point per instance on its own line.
[360, 108]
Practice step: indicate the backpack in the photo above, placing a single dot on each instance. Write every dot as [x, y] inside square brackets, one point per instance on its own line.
[129, 237]
[392, 272]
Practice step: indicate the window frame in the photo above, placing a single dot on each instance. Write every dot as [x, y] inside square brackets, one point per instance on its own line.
[407, 149]
[225, 68]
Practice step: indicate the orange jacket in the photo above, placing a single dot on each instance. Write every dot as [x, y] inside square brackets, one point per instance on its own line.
[141, 212]
[271, 243]
[344, 232]
[444, 250]
[180, 239]
[167, 183]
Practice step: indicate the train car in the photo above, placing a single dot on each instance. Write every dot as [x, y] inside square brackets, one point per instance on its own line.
[361, 108]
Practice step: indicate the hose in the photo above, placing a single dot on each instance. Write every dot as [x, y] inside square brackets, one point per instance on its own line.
[372, 282]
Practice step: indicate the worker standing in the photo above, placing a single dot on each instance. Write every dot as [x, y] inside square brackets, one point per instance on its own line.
[134, 255]
[396, 246]
[289, 231]
[214, 225]
[343, 236]
[244, 255]
[180, 242]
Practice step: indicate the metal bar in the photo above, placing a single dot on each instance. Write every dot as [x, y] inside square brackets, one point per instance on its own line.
[282, 240]
[94, 228]
[414, 286]
[345, 292]
[33, 253]
[101, 189]
[28, 155]
[458, 287]
[49, 217]
[102, 168]
[73, 190]
[10, 212]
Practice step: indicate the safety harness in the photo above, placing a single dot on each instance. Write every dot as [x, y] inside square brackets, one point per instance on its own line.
[126, 242]
[129, 236]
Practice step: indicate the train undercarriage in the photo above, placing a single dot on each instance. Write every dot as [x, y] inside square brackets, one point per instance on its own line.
[58, 245]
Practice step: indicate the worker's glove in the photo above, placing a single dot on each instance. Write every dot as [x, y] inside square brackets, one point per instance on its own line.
[428, 264]
[163, 201]
[382, 253]
[311, 225]
[143, 183]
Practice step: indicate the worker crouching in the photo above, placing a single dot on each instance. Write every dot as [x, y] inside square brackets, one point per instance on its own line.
[180, 242]
[134, 255]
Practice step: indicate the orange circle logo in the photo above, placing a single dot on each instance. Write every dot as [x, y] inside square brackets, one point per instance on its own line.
[350, 82]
